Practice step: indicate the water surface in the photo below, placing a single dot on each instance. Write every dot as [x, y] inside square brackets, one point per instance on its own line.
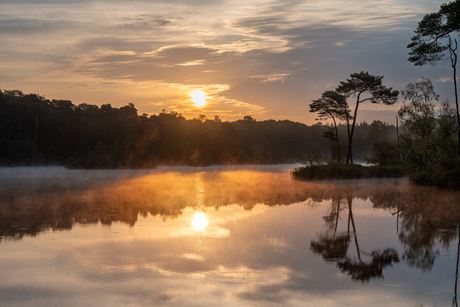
[222, 236]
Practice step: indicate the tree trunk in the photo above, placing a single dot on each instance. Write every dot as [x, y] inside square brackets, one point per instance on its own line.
[456, 268]
[10, 125]
[453, 59]
[337, 216]
[337, 140]
[350, 204]
[348, 134]
[36, 130]
[350, 138]
[19, 127]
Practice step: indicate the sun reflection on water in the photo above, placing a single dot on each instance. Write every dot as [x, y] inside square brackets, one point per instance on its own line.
[199, 221]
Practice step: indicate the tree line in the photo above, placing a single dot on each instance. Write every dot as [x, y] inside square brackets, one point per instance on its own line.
[38, 131]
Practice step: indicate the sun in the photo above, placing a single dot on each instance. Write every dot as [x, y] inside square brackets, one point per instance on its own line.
[199, 98]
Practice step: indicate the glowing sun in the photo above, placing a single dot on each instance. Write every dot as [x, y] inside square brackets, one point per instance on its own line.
[199, 98]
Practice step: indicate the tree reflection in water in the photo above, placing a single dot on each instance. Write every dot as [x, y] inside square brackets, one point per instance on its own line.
[330, 245]
[334, 247]
[29, 206]
[454, 302]
[428, 219]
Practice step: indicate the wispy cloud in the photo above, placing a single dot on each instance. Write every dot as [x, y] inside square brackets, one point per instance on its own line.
[271, 77]
[446, 79]
[269, 55]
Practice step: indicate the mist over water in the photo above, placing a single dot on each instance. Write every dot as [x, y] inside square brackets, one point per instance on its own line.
[227, 236]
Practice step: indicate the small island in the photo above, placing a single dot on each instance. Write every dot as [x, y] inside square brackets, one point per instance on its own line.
[425, 148]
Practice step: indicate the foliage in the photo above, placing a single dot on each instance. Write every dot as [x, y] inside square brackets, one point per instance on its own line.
[418, 115]
[332, 105]
[311, 157]
[22, 152]
[365, 87]
[384, 154]
[433, 37]
[433, 30]
[335, 145]
[428, 138]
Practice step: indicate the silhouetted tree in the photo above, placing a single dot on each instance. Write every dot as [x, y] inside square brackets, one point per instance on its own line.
[249, 118]
[418, 115]
[332, 105]
[433, 37]
[365, 87]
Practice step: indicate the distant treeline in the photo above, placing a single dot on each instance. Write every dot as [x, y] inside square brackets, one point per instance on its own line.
[38, 131]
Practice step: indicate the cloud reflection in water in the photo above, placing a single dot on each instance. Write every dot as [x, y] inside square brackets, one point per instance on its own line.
[131, 240]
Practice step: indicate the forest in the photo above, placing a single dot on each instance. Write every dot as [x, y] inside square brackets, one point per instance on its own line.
[38, 131]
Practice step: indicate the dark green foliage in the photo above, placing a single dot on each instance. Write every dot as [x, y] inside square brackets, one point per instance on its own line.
[345, 171]
[428, 139]
[384, 154]
[22, 152]
[433, 159]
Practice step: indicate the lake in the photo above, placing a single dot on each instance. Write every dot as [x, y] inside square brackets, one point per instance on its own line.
[223, 236]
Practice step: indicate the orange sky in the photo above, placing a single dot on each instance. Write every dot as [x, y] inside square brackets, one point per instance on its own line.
[267, 59]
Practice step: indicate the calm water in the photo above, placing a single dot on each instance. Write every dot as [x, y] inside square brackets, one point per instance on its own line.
[244, 236]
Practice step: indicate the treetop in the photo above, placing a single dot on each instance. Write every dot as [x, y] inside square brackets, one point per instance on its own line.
[426, 46]
[364, 82]
[331, 104]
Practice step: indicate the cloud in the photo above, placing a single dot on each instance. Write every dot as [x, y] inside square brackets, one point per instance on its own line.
[147, 21]
[287, 47]
[271, 77]
[446, 79]
[443, 79]
[25, 26]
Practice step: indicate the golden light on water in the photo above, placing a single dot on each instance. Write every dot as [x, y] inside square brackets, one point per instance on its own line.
[199, 221]
[199, 98]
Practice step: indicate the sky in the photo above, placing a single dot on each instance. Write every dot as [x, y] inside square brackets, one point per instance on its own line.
[265, 59]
